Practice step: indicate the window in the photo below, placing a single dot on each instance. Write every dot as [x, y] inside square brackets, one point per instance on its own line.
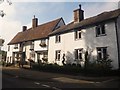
[101, 53]
[57, 55]
[43, 43]
[8, 48]
[78, 54]
[16, 46]
[57, 38]
[32, 45]
[100, 30]
[77, 35]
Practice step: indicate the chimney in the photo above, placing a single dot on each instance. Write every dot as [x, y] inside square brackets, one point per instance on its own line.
[24, 28]
[78, 15]
[34, 22]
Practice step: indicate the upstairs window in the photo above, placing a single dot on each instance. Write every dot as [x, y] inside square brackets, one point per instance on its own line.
[32, 45]
[77, 35]
[57, 55]
[57, 38]
[8, 48]
[78, 54]
[43, 43]
[16, 46]
[101, 53]
[100, 30]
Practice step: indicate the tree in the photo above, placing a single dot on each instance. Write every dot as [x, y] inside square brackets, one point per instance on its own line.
[2, 13]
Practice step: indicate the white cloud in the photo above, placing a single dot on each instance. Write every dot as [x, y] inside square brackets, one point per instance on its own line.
[65, 0]
[9, 27]
[92, 9]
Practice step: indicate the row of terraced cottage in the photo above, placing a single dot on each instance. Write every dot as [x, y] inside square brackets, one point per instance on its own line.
[99, 35]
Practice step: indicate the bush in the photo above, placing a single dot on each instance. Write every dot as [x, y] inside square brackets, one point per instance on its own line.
[94, 69]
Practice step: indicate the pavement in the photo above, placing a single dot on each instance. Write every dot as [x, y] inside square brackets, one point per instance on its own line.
[47, 76]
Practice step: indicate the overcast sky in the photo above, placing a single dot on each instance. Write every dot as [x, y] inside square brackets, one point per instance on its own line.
[21, 13]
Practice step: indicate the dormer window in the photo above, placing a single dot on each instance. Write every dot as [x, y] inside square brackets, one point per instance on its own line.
[57, 38]
[100, 30]
[16, 46]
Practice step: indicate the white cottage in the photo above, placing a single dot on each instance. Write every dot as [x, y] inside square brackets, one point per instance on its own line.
[99, 35]
[32, 43]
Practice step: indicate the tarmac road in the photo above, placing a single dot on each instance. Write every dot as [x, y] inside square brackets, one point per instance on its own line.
[17, 82]
[47, 80]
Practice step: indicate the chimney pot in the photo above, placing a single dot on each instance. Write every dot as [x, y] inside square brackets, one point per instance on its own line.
[80, 6]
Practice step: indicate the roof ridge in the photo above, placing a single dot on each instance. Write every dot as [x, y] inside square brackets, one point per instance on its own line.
[50, 21]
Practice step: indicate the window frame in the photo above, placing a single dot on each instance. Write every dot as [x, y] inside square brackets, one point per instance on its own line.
[78, 54]
[9, 48]
[101, 52]
[32, 45]
[43, 41]
[100, 29]
[57, 38]
[57, 55]
[78, 35]
[16, 46]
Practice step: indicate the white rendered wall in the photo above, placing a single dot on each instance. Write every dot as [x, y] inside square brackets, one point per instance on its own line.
[89, 39]
[37, 46]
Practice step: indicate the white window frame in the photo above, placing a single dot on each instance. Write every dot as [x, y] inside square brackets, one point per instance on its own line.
[101, 29]
[57, 55]
[77, 35]
[57, 39]
[16, 46]
[79, 54]
[100, 51]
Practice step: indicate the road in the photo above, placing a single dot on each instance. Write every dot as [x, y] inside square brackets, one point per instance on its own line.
[16, 82]
[18, 78]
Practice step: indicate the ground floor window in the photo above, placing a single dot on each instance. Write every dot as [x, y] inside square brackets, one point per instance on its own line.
[78, 54]
[101, 53]
[57, 55]
[42, 56]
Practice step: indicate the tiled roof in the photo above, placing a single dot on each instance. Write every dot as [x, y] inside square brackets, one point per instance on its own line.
[39, 32]
[89, 21]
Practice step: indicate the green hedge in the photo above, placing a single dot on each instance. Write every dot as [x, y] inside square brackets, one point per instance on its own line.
[76, 70]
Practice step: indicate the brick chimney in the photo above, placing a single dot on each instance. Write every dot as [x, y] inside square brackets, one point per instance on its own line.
[34, 22]
[78, 15]
[24, 28]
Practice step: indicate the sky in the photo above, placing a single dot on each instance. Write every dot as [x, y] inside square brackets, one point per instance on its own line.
[21, 12]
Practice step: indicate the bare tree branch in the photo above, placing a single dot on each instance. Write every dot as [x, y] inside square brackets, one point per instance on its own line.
[2, 14]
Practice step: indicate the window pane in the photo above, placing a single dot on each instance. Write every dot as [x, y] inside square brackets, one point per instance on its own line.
[80, 55]
[56, 55]
[79, 34]
[99, 56]
[103, 29]
[59, 56]
[76, 54]
[59, 38]
[76, 36]
[97, 30]
[104, 53]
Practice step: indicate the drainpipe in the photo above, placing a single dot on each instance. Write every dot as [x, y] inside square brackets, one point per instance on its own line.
[117, 37]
